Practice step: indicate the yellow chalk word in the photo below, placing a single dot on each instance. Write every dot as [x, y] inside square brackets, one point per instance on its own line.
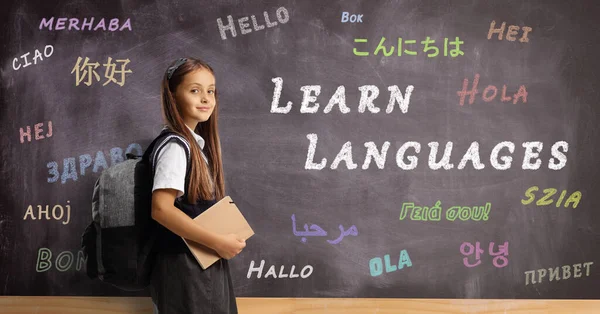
[58, 212]
[86, 70]
[574, 198]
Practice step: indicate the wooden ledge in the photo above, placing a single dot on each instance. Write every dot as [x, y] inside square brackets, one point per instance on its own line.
[106, 305]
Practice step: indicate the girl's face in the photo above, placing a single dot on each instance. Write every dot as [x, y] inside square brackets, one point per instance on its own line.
[195, 97]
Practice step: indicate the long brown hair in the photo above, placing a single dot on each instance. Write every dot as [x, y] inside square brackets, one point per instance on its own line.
[204, 182]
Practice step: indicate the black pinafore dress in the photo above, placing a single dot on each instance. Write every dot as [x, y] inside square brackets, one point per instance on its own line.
[178, 284]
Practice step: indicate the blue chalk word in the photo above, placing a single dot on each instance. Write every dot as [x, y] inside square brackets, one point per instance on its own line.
[85, 161]
[376, 264]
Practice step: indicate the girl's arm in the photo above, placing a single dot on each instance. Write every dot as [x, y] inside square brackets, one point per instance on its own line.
[165, 213]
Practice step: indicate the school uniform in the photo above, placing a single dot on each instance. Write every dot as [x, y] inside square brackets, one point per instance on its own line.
[178, 284]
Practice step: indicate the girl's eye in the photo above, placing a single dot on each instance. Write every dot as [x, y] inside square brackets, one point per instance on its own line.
[211, 91]
[194, 90]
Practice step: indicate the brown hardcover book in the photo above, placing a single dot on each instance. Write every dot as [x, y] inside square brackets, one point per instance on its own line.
[223, 217]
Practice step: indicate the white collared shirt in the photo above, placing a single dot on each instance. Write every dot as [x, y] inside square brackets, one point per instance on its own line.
[171, 166]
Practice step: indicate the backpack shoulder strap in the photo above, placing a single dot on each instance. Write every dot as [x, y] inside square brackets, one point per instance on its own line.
[166, 136]
[161, 141]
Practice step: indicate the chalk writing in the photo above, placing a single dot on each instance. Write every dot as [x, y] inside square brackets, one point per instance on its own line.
[282, 14]
[472, 155]
[368, 94]
[511, 32]
[434, 213]
[48, 51]
[573, 199]
[316, 231]
[376, 264]
[58, 212]
[63, 262]
[555, 274]
[88, 70]
[489, 93]
[60, 24]
[499, 261]
[38, 130]
[85, 161]
[343, 233]
[408, 47]
[304, 273]
[352, 18]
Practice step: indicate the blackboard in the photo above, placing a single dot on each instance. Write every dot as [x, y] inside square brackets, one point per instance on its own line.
[523, 175]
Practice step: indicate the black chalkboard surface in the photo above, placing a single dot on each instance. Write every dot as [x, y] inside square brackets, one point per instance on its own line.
[429, 149]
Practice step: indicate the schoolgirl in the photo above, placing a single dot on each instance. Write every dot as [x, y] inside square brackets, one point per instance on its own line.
[182, 189]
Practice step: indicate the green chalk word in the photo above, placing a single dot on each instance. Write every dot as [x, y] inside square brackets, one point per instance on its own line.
[64, 261]
[409, 47]
[464, 213]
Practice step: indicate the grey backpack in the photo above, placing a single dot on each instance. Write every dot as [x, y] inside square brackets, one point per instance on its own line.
[118, 241]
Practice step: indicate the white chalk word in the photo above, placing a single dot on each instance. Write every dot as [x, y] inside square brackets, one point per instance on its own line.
[304, 273]
[352, 18]
[368, 93]
[37, 56]
[282, 14]
[558, 273]
[63, 261]
[38, 130]
[405, 159]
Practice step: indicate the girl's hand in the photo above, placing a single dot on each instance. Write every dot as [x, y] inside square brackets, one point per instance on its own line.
[229, 246]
